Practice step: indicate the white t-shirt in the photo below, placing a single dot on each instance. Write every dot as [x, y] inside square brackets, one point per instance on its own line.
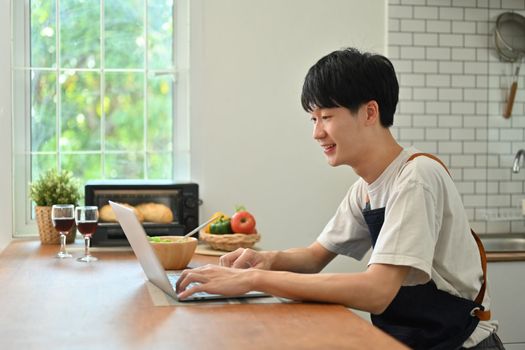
[425, 227]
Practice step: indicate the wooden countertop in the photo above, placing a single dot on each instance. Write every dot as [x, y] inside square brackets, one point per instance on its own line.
[49, 303]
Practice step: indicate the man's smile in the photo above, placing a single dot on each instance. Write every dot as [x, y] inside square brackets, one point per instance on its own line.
[329, 147]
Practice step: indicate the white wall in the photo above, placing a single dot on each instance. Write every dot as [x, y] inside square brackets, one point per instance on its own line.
[6, 208]
[251, 141]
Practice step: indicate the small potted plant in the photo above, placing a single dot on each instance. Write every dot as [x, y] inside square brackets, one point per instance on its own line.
[53, 187]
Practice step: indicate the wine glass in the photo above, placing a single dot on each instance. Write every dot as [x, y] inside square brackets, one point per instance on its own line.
[87, 221]
[63, 218]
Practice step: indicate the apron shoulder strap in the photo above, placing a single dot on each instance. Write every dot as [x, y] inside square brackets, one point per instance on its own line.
[483, 315]
[415, 155]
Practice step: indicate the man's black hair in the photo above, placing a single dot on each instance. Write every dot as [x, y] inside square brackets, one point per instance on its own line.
[348, 78]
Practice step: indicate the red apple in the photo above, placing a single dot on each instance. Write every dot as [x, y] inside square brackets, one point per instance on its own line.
[243, 222]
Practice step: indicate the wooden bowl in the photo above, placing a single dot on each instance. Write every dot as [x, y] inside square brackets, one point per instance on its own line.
[229, 242]
[175, 252]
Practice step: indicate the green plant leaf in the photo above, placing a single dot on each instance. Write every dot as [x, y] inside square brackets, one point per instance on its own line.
[54, 187]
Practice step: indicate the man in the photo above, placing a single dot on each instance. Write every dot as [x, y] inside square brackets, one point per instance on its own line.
[425, 282]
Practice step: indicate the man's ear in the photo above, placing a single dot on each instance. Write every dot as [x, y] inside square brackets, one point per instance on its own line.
[372, 112]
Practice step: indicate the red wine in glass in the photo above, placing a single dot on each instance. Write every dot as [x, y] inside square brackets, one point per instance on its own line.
[63, 225]
[87, 220]
[63, 218]
[87, 228]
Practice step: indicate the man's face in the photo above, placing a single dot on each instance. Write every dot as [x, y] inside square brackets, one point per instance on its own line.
[340, 134]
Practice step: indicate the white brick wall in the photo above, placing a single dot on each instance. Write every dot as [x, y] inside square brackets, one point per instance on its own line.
[453, 92]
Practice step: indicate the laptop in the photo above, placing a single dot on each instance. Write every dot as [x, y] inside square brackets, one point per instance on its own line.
[150, 263]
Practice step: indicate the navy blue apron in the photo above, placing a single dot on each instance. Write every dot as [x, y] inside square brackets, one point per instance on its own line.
[422, 316]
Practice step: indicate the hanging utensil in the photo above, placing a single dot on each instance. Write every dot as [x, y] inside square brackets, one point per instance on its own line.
[509, 40]
[512, 94]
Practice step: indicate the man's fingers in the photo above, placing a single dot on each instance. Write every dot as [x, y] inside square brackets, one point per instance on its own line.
[188, 292]
[190, 277]
[245, 260]
[229, 259]
[182, 276]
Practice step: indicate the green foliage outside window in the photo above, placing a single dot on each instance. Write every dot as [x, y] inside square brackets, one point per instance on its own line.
[99, 109]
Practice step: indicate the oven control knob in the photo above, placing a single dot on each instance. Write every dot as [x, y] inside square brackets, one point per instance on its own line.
[190, 222]
[190, 202]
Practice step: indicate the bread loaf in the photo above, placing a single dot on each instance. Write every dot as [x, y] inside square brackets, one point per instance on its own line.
[107, 214]
[155, 212]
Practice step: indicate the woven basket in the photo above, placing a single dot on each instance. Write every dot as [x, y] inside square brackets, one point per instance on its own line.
[229, 242]
[48, 234]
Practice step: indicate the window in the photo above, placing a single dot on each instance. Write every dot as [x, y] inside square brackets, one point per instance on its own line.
[100, 88]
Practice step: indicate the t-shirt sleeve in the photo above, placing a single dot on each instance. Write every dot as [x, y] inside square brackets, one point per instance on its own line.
[409, 233]
[346, 233]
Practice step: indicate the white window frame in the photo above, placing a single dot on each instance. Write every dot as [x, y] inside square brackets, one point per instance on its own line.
[24, 224]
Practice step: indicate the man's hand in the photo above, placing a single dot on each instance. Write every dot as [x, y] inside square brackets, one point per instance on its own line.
[247, 258]
[215, 280]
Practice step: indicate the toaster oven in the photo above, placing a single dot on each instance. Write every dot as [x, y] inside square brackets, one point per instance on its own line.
[181, 198]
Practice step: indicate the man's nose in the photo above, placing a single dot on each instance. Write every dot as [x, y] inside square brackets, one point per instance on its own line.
[318, 132]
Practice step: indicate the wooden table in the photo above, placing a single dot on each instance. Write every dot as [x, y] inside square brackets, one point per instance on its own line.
[47, 303]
